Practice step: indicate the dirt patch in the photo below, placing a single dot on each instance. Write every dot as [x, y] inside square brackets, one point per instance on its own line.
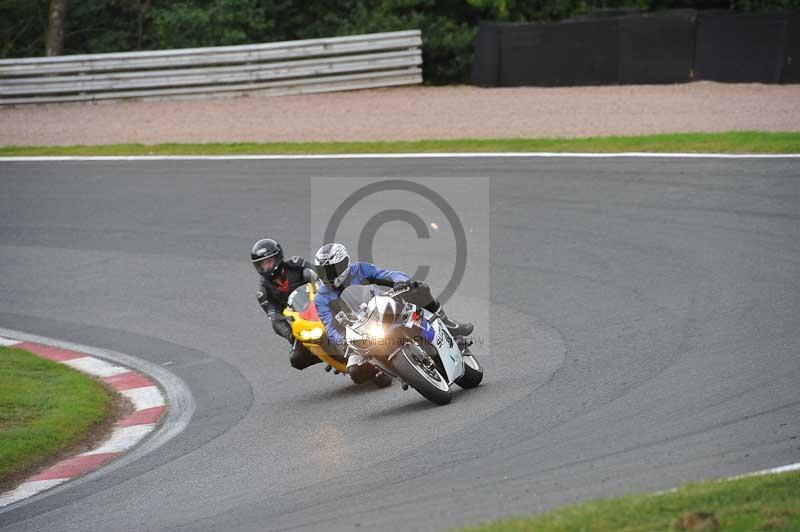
[412, 113]
[773, 524]
[696, 521]
[121, 408]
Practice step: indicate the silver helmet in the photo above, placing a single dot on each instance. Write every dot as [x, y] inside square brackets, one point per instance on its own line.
[332, 262]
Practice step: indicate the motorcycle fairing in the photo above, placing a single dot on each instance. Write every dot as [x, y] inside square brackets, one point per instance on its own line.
[445, 344]
[428, 332]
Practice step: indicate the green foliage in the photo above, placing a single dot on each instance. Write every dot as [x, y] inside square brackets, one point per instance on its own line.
[448, 26]
[23, 24]
[209, 23]
[759, 5]
[309, 19]
[448, 32]
[106, 26]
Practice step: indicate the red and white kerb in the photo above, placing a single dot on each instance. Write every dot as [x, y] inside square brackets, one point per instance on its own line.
[147, 399]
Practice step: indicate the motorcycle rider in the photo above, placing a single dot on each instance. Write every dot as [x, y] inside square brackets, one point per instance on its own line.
[336, 272]
[279, 278]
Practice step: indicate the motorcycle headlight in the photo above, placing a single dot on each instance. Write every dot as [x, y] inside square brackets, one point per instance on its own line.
[376, 331]
[312, 334]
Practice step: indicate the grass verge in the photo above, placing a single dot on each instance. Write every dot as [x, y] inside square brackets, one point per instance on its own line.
[769, 502]
[731, 142]
[45, 408]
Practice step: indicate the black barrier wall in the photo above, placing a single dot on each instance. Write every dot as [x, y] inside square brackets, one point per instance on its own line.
[536, 54]
[656, 48]
[740, 47]
[659, 47]
[486, 60]
[791, 55]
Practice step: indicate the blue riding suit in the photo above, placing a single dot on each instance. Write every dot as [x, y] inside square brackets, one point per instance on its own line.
[358, 273]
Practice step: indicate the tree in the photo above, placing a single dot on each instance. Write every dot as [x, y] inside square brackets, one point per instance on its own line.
[54, 41]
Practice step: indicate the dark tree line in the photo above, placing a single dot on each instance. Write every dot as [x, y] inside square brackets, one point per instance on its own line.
[52, 27]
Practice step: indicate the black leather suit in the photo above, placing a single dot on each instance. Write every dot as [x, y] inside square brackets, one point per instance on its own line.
[273, 294]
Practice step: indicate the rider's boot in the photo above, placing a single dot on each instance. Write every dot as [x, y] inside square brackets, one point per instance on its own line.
[455, 328]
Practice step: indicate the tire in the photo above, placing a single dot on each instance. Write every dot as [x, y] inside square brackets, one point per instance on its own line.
[383, 380]
[418, 378]
[473, 373]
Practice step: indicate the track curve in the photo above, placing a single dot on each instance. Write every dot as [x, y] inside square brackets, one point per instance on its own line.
[654, 304]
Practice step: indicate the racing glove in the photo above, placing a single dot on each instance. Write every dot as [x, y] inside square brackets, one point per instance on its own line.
[282, 328]
[399, 286]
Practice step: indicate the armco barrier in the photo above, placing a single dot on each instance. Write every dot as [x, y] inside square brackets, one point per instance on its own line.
[315, 65]
[659, 47]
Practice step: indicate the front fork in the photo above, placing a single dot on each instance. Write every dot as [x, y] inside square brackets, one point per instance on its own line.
[428, 360]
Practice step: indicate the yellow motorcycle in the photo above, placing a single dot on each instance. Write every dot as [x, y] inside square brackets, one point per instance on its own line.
[301, 312]
[309, 331]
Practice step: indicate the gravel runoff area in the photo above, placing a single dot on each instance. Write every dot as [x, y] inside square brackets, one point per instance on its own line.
[412, 113]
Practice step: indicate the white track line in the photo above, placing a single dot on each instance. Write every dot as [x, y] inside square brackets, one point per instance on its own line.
[772, 471]
[399, 156]
[781, 469]
[8, 342]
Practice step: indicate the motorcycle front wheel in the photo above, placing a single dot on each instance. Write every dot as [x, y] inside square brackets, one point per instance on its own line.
[426, 379]
[473, 373]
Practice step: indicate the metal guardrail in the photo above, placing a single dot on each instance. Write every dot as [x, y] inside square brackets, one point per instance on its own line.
[292, 67]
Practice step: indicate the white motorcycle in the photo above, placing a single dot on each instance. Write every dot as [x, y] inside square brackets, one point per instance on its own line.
[406, 341]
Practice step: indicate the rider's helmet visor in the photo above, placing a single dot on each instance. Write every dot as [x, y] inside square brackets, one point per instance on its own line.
[329, 272]
[266, 265]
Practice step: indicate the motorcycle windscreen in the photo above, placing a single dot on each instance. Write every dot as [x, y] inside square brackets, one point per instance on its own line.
[354, 296]
[299, 299]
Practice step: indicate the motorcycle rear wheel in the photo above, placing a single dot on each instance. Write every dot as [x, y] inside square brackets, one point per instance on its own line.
[427, 381]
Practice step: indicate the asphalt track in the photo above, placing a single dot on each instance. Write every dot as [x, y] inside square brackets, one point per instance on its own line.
[645, 332]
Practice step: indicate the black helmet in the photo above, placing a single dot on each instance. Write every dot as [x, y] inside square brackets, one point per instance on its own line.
[331, 263]
[267, 257]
